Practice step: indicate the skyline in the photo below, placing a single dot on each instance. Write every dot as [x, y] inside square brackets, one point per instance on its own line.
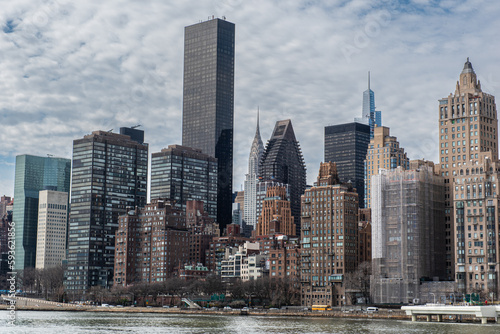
[70, 69]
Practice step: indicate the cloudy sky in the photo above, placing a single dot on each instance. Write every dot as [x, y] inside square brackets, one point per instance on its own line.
[67, 69]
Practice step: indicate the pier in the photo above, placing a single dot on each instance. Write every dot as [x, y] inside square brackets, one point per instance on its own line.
[428, 310]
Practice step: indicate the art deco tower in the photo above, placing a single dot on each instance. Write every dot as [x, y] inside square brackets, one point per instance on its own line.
[468, 125]
[208, 104]
[282, 161]
[256, 152]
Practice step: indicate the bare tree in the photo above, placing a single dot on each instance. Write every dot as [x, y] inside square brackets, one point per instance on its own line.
[357, 283]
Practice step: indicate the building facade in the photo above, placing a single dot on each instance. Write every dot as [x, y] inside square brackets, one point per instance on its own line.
[468, 125]
[109, 178]
[347, 145]
[202, 230]
[33, 174]
[52, 228]
[150, 243]
[182, 174]
[4, 202]
[208, 101]
[282, 161]
[407, 238]
[383, 153]
[328, 239]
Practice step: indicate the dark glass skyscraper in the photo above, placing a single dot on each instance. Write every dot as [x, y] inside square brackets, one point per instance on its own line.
[182, 174]
[109, 175]
[346, 145]
[282, 161]
[32, 175]
[208, 105]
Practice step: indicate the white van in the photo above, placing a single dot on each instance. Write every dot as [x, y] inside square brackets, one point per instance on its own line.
[372, 309]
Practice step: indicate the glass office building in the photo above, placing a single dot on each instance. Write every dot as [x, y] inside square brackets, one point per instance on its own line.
[346, 145]
[182, 174]
[33, 174]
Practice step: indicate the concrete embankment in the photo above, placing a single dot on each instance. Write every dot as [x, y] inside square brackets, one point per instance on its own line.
[253, 312]
[382, 314]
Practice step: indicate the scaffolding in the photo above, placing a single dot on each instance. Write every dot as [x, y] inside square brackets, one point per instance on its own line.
[407, 239]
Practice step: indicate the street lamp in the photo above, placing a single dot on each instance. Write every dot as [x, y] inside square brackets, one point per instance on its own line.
[433, 296]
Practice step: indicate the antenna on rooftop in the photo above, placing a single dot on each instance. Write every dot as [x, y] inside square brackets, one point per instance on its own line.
[135, 126]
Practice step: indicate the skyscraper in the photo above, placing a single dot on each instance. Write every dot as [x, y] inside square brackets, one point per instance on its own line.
[282, 161]
[370, 116]
[109, 177]
[182, 174]
[347, 145]
[208, 105]
[468, 125]
[256, 152]
[32, 175]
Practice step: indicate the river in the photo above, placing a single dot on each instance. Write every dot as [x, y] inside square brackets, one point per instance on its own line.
[42, 322]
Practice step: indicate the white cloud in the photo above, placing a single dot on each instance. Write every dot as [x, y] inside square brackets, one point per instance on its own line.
[67, 68]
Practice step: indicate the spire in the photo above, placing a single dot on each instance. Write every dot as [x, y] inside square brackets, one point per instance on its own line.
[256, 151]
[368, 80]
[258, 127]
[468, 67]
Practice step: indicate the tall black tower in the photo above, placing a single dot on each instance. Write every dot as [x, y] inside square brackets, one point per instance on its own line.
[282, 161]
[346, 145]
[208, 105]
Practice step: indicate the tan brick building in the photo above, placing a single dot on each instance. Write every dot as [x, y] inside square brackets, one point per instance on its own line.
[328, 238]
[468, 125]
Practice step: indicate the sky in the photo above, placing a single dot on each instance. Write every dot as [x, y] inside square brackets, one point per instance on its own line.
[69, 68]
